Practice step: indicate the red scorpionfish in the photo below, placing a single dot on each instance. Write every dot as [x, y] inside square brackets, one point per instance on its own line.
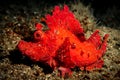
[63, 45]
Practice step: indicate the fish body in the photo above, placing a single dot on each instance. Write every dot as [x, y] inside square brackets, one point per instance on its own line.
[64, 45]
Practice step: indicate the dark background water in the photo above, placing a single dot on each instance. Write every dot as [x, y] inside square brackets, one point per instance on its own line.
[99, 7]
[95, 3]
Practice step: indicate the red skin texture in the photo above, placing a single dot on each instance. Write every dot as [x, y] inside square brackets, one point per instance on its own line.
[64, 45]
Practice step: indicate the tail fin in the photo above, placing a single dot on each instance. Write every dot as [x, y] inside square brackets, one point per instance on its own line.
[95, 39]
[104, 44]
